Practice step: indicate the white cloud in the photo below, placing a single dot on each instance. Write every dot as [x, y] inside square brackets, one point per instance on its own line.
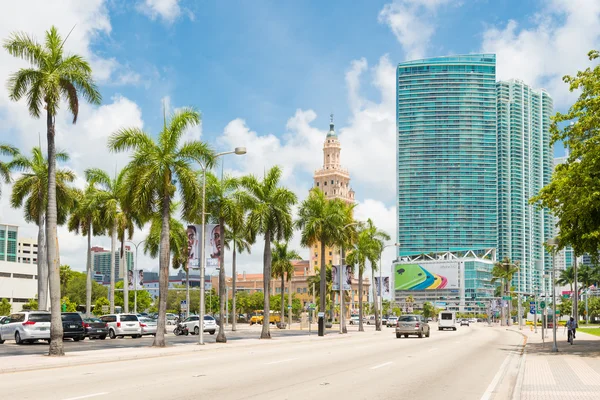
[556, 45]
[167, 10]
[412, 22]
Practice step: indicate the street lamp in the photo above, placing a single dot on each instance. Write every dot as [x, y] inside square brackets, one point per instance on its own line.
[237, 151]
[135, 276]
[553, 242]
[381, 282]
[342, 291]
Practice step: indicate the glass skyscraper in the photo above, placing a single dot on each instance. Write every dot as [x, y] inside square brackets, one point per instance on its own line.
[447, 154]
[525, 165]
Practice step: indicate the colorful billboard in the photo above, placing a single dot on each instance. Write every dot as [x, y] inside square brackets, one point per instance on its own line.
[426, 276]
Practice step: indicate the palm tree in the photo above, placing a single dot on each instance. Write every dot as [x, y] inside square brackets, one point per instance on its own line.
[157, 169]
[504, 271]
[220, 204]
[5, 168]
[346, 238]
[376, 238]
[86, 217]
[320, 221]
[237, 238]
[31, 191]
[270, 214]
[358, 256]
[283, 268]
[315, 280]
[566, 277]
[54, 76]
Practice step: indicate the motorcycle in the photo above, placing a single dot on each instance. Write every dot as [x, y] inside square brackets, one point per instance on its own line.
[181, 329]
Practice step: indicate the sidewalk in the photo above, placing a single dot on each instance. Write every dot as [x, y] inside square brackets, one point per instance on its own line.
[572, 373]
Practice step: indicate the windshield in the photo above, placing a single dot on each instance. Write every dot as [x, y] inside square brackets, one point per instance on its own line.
[71, 317]
[39, 317]
[208, 318]
[129, 318]
[446, 316]
[408, 318]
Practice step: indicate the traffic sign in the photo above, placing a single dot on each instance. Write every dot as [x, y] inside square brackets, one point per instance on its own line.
[183, 305]
[532, 309]
[557, 312]
[506, 298]
[289, 307]
[321, 314]
[543, 304]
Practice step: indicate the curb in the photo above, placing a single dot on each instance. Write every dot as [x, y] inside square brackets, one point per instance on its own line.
[516, 394]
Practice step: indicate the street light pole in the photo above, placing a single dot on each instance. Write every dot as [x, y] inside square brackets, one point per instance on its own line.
[554, 244]
[380, 291]
[238, 151]
[135, 276]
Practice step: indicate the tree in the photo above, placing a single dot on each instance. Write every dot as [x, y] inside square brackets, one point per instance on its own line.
[504, 271]
[566, 277]
[102, 301]
[237, 238]
[66, 274]
[31, 305]
[31, 191]
[270, 214]
[76, 289]
[375, 240]
[156, 170]
[565, 307]
[315, 281]
[144, 300]
[5, 307]
[321, 221]
[283, 268]
[428, 310]
[5, 168]
[53, 76]
[358, 256]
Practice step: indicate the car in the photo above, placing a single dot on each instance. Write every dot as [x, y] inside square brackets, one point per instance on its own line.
[73, 326]
[473, 320]
[354, 320]
[95, 328]
[121, 325]
[447, 320]
[412, 325]
[148, 326]
[370, 320]
[384, 320]
[172, 319]
[193, 324]
[464, 322]
[26, 327]
[391, 322]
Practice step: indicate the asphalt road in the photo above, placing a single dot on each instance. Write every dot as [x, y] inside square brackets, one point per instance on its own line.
[449, 365]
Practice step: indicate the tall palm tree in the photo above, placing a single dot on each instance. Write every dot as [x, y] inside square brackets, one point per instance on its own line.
[31, 191]
[315, 281]
[86, 217]
[5, 169]
[283, 268]
[221, 204]
[345, 239]
[566, 277]
[358, 257]
[376, 238]
[320, 221]
[236, 237]
[110, 194]
[504, 271]
[156, 170]
[52, 77]
[270, 214]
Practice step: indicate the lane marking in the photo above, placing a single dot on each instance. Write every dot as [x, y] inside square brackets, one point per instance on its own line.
[433, 349]
[492, 386]
[87, 396]
[280, 361]
[382, 365]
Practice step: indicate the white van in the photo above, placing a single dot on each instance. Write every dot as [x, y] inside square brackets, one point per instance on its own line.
[447, 320]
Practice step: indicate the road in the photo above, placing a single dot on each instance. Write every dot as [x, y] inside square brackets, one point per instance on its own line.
[370, 365]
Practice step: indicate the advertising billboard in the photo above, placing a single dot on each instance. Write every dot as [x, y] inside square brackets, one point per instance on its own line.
[136, 279]
[386, 285]
[212, 244]
[426, 276]
[346, 277]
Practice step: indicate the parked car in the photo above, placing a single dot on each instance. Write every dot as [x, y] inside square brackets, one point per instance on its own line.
[95, 328]
[464, 322]
[148, 326]
[121, 325]
[172, 319]
[473, 320]
[384, 320]
[412, 325]
[391, 322]
[370, 320]
[354, 320]
[193, 324]
[73, 326]
[26, 326]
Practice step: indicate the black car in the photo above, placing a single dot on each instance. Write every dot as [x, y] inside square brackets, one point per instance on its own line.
[95, 328]
[73, 327]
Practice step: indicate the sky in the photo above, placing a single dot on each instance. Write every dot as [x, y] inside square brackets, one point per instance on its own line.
[266, 75]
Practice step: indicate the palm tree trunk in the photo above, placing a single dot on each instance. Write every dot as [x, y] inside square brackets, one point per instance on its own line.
[123, 265]
[361, 328]
[509, 319]
[375, 302]
[289, 303]
[222, 285]
[113, 248]
[163, 276]
[42, 262]
[322, 286]
[88, 278]
[234, 276]
[282, 297]
[265, 333]
[56, 329]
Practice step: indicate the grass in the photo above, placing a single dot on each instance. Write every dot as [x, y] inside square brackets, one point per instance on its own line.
[591, 331]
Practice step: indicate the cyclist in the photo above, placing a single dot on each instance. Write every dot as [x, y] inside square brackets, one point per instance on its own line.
[571, 327]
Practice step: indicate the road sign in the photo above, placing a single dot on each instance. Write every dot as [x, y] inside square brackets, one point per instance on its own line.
[557, 312]
[183, 305]
[321, 314]
[542, 304]
[289, 307]
[105, 309]
[532, 309]
[506, 298]
[532, 303]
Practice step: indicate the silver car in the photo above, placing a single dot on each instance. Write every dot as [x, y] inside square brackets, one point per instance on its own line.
[391, 322]
[412, 325]
[193, 324]
[26, 327]
[148, 326]
[120, 325]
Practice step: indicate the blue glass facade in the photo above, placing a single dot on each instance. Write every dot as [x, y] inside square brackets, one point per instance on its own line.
[446, 154]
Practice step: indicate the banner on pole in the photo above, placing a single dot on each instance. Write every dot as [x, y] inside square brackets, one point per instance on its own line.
[212, 244]
[346, 277]
[386, 285]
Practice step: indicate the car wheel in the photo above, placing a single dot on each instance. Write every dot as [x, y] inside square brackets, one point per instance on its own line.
[76, 339]
[428, 332]
[103, 337]
[453, 329]
[2, 340]
[398, 335]
[196, 330]
[420, 335]
[406, 335]
[18, 338]
[111, 334]
[212, 332]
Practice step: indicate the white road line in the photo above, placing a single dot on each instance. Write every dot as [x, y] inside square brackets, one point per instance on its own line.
[382, 365]
[492, 386]
[433, 349]
[280, 361]
[87, 396]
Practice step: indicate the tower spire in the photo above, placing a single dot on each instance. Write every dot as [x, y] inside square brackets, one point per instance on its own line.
[331, 126]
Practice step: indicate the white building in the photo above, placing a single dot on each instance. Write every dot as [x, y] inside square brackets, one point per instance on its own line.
[27, 250]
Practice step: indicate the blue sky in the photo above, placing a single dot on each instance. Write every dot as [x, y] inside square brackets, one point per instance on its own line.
[267, 74]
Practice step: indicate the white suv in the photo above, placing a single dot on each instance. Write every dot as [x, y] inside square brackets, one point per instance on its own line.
[26, 326]
[121, 325]
[193, 324]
